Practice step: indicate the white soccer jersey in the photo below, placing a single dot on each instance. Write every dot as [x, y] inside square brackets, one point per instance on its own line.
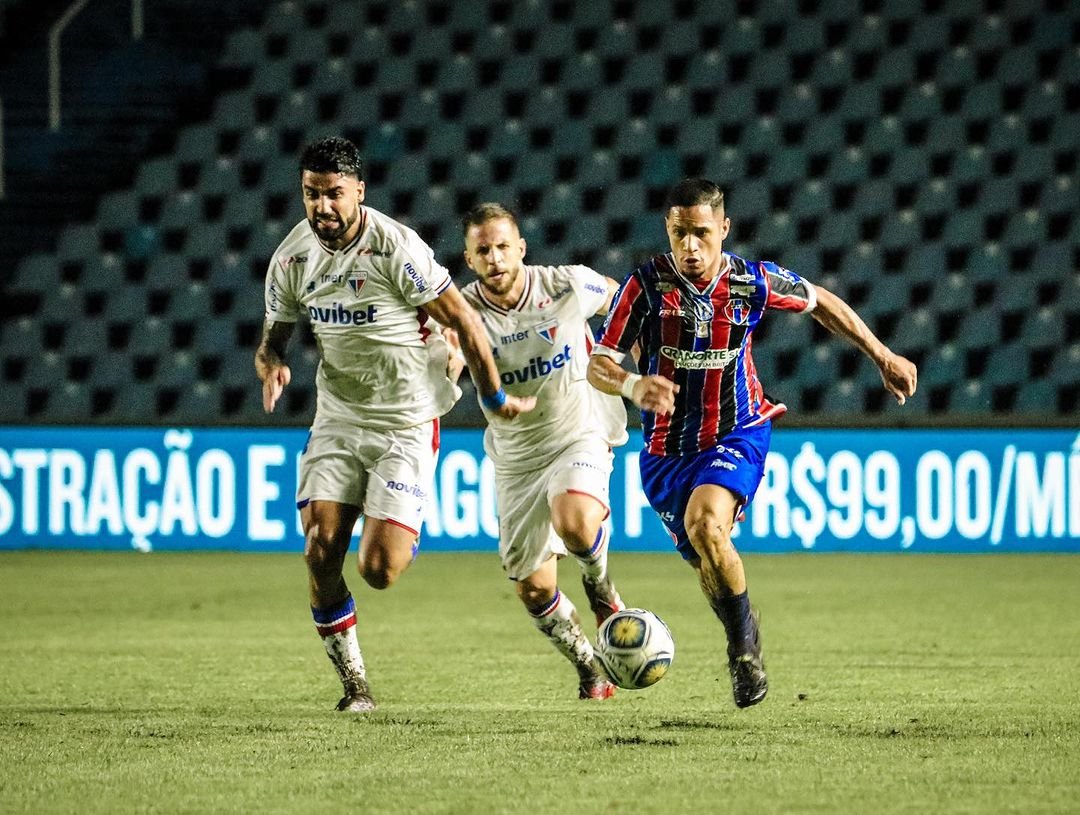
[541, 347]
[383, 360]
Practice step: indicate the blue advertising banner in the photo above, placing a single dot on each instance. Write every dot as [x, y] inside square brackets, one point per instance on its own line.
[824, 490]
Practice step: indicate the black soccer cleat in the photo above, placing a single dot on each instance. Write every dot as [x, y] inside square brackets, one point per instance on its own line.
[749, 684]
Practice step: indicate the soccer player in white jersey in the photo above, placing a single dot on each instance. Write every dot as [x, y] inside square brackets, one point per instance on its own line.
[552, 464]
[371, 288]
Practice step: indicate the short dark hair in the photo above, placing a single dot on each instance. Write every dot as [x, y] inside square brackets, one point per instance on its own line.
[487, 211]
[333, 155]
[693, 192]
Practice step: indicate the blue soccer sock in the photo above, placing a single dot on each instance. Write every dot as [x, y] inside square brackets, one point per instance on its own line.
[734, 613]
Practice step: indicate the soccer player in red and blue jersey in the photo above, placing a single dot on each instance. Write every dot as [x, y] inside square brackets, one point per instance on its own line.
[706, 420]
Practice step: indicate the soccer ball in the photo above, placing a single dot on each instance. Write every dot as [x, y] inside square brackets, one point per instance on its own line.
[635, 647]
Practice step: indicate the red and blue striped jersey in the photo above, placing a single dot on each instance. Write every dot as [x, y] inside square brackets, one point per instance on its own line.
[698, 335]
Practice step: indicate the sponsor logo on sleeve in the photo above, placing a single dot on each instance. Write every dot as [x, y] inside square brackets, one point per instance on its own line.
[414, 276]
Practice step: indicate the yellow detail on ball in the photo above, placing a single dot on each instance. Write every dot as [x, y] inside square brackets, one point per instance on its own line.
[627, 632]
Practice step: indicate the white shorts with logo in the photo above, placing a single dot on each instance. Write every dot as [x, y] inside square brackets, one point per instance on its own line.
[526, 537]
[388, 474]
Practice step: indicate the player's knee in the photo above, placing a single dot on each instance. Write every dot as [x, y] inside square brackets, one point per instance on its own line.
[376, 577]
[380, 572]
[321, 553]
[534, 597]
[574, 532]
[708, 532]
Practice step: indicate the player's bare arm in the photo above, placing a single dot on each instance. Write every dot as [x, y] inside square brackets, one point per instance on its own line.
[270, 361]
[655, 394]
[450, 309]
[612, 288]
[897, 373]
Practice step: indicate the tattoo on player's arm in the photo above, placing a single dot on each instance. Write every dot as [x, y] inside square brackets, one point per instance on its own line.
[275, 340]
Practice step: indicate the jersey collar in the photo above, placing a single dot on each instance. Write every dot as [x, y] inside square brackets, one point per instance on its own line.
[526, 293]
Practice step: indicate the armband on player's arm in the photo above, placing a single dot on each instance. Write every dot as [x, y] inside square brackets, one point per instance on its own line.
[494, 401]
[627, 389]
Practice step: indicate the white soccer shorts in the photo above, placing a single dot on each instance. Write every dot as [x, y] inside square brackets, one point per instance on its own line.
[387, 473]
[526, 537]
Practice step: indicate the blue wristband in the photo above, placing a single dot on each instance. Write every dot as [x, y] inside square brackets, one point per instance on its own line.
[495, 401]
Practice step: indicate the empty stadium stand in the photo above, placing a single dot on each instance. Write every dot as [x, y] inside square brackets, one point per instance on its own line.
[918, 157]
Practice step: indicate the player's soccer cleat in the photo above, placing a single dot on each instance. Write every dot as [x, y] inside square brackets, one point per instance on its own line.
[357, 698]
[749, 683]
[594, 682]
[596, 688]
[604, 600]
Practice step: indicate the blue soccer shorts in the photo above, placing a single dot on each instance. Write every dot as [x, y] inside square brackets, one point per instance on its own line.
[736, 463]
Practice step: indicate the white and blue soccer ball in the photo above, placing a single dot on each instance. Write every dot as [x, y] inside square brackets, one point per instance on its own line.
[635, 648]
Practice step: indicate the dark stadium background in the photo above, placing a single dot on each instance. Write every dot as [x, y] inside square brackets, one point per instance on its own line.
[919, 157]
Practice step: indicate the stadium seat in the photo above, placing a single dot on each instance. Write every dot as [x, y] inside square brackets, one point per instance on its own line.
[849, 167]
[978, 328]
[636, 138]
[1037, 396]
[420, 109]
[573, 138]
[943, 366]
[299, 110]
[560, 203]
[509, 140]
[1024, 229]
[77, 242]
[982, 100]
[969, 397]
[616, 40]
[900, 228]
[37, 272]
[545, 106]
[243, 49]
[198, 404]
[118, 209]
[70, 403]
[884, 134]
[1044, 328]
[662, 168]
[445, 141]
[671, 107]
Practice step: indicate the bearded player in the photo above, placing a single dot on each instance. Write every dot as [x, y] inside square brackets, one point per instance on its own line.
[370, 288]
[552, 464]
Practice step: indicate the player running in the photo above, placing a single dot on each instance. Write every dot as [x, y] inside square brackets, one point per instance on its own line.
[705, 418]
[370, 287]
[552, 464]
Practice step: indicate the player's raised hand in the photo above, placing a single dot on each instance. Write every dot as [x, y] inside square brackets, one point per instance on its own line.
[515, 406]
[899, 376]
[655, 394]
[274, 382]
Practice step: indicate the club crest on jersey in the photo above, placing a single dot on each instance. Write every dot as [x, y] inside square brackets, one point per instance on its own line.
[356, 280]
[737, 311]
[546, 330]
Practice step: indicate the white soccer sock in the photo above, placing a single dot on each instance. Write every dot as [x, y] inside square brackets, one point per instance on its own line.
[594, 563]
[337, 627]
[559, 622]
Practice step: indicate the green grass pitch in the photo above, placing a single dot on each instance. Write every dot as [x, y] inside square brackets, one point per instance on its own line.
[196, 683]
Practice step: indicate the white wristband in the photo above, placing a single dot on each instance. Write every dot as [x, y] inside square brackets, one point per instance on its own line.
[627, 388]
